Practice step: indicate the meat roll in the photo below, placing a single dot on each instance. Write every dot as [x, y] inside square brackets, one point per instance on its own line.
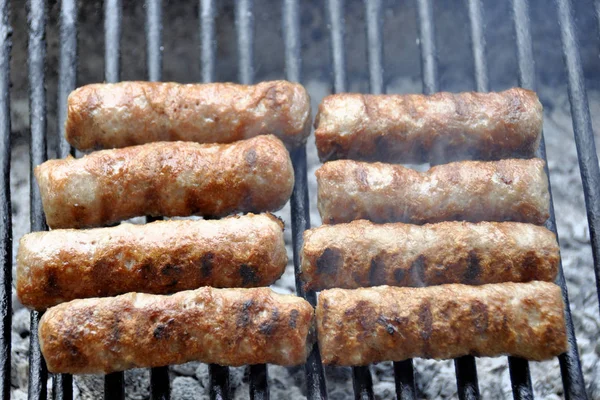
[169, 179]
[362, 326]
[362, 254]
[222, 326]
[124, 114]
[436, 128]
[162, 257]
[505, 190]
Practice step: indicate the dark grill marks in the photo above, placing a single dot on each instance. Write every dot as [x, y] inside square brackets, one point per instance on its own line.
[329, 261]
[244, 317]
[206, 264]
[377, 271]
[473, 272]
[248, 275]
[417, 272]
[293, 318]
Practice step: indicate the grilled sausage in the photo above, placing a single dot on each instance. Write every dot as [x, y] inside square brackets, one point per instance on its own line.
[162, 257]
[124, 114]
[362, 326]
[437, 128]
[505, 190]
[169, 179]
[362, 254]
[223, 326]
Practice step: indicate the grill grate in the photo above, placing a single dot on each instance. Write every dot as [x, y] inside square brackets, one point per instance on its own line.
[219, 376]
[5, 206]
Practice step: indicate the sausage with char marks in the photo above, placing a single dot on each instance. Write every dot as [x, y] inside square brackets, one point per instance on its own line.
[505, 190]
[363, 326]
[230, 327]
[166, 179]
[161, 257]
[109, 115]
[362, 253]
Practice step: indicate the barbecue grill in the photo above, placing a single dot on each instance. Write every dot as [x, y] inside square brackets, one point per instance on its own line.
[466, 374]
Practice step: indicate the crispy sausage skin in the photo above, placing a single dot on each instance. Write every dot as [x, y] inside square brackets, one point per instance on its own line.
[361, 253]
[161, 257]
[110, 115]
[436, 128]
[222, 326]
[168, 179]
[362, 326]
[505, 190]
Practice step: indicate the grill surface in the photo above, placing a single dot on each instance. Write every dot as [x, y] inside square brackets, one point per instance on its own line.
[466, 372]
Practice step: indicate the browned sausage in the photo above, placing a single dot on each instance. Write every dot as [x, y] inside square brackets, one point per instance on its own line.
[505, 190]
[124, 114]
[362, 326]
[168, 179]
[223, 326]
[437, 128]
[162, 257]
[365, 254]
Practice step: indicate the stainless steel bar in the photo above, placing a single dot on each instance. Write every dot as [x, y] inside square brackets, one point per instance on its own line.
[569, 362]
[112, 40]
[300, 210]
[114, 384]
[375, 45]
[208, 43]
[478, 45]
[465, 367]
[154, 46]
[5, 201]
[38, 373]
[361, 376]
[244, 22]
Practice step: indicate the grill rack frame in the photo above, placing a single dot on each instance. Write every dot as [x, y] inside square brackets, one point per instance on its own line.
[465, 367]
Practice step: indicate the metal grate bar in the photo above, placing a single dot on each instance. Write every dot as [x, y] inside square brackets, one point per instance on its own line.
[362, 383]
[375, 45]
[300, 210]
[114, 384]
[405, 380]
[590, 176]
[465, 367]
[335, 21]
[244, 23]
[159, 383]
[208, 44]
[219, 382]
[478, 46]
[258, 382]
[38, 373]
[520, 378]
[427, 45]
[67, 72]
[466, 377]
[597, 8]
[582, 126]
[218, 375]
[5, 205]
[361, 376]
[112, 40]
[403, 370]
[569, 362]
[154, 39]
[159, 376]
